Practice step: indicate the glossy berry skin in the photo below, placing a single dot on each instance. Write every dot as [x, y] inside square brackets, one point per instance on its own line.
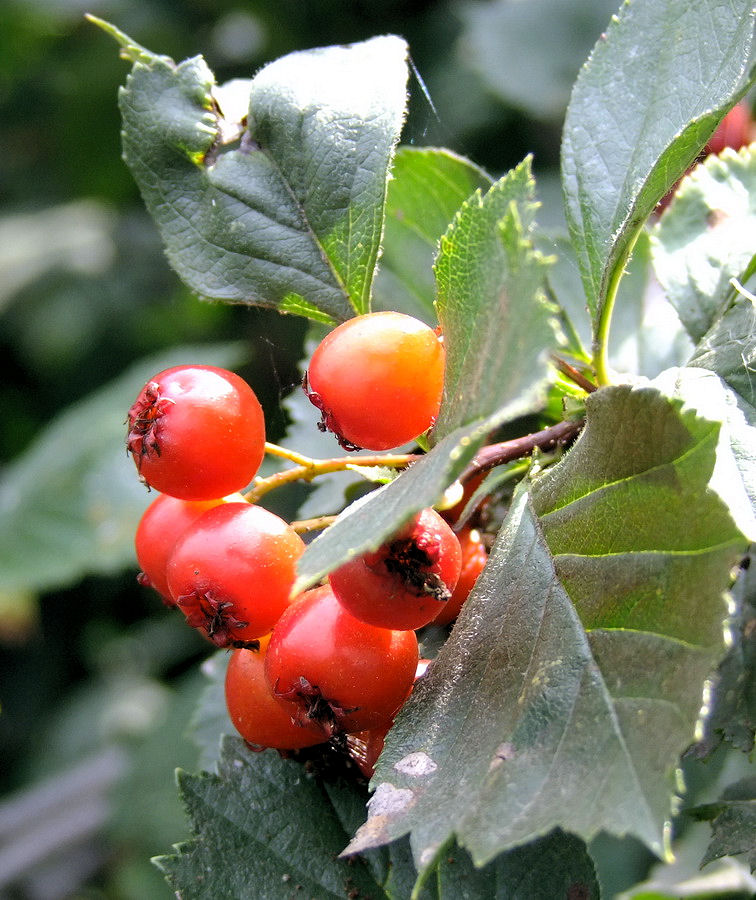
[259, 718]
[196, 432]
[232, 571]
[344, 675]
[474, 558]
[161, 525]
[735, 130]
[377, 380]
[405, 583]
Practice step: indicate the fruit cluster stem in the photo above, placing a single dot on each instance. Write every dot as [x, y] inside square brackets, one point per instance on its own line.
[306, 469]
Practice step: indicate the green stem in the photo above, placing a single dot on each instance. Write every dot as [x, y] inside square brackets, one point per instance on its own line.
[601, 340]
[307, 468]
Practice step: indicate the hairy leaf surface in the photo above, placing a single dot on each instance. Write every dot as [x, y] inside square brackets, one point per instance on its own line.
[707, 236]
[491, 305]
[650, 95]
[278, 203]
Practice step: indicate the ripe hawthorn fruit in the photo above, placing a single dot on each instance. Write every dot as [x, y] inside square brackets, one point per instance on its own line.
[161, 525]
[343, 674]
[405, 582]
[261, 719]
[232, 570]
[474, 558]
[196, 432]
[377, 380]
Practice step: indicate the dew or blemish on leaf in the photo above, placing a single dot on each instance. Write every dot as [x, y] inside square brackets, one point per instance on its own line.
[428, 855]
[387, 802]
[388, 799]
[416, 764]
[504, 752]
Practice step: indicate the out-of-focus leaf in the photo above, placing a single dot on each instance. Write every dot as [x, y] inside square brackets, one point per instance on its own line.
[210, 720]
[734, 477]
[530, 53]
[497, 328]
[733, 700]
[427, 187]
[652, 92]
[69, 506]
[563, 715]
[733, 822]
[286, 209]
[706, 237]
[76, 236]
[729, 349]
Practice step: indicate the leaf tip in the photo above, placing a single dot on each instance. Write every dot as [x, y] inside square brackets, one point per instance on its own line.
[130, 49]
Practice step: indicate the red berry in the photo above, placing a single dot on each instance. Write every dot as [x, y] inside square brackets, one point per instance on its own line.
[259, 718]
[735, 130]
[474, 558]
[405, 582]
[377, 380]
[232, 571]
[196, 432]
[343, 674]
[161, 525]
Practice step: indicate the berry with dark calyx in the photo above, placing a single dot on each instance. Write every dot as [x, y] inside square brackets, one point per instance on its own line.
[196, 432]
[365, 747]
[161, 525]
[261, 719]
[344, 675]
[232, 571]
[377, 380]
[474, 558]
[405, 583]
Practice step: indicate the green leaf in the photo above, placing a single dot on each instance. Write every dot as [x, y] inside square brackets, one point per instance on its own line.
[265, 829]
[69, 506]
[734, 477]
[733, 822]
[366, 523]
[650, 95]
[733, 702]
[427, 187]
[705, 237]
[574, 676]
[557, 865]
[491, 305]
[729, 349]
[286, 212]
[530, 53]
[210, 720]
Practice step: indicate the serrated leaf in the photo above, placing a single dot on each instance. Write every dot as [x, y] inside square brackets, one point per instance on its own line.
[734, 477]
[729, 349]
[366, 523]
[491, 305]
[574, 676]
[69, 506]
[650, 95]
[290, 214]
[263, 829]
[733, 822]
[706, 237]
[427, 187]
[530, 53]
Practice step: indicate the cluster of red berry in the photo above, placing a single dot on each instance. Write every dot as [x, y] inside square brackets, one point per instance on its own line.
[341, 658]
